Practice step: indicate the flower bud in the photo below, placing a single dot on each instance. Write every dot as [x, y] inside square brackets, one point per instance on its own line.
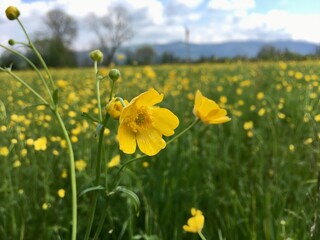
[12, 13]
[11, 42]
[114, 74]
[96, 56]
[114, 108]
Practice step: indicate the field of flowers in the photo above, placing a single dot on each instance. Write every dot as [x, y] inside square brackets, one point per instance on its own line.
[254, 177]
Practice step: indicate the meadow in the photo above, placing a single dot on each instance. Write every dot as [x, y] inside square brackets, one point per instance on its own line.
[255, 177]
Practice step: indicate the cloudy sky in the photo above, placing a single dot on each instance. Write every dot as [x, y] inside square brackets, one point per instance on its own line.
[161, 21]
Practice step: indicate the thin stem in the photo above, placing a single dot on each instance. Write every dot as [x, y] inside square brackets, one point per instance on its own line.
[201, 235]
[184, 131]
[32, 65]
[97, 180]
[26, 85]
[102, 219]
[170, 141]
[72, 174]
[39, 57]
[98, 89]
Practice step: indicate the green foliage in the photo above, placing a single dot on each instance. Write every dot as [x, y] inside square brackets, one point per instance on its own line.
[247, 186]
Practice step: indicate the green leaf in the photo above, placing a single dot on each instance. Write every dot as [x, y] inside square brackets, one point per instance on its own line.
[132, 195]
[91, 189]
[3, 112]
[55, 96]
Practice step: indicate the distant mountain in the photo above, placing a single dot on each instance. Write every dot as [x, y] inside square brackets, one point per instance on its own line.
[229, 49]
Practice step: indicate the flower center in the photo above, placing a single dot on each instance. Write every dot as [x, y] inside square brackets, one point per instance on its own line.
[140, 120]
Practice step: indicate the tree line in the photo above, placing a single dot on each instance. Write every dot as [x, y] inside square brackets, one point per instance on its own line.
[111, 31]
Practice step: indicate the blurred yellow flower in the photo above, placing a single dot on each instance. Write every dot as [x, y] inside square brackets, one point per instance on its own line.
[248, 125]
[261, 112]
[61, 193]
[144, 124]
[114, 108]
[62, 83]
[115, 161]
[80, 165]
[260, 95]
[291, 148]
[4, 151]
[317, 118]
[64, 173]
[195, 223]
[40, 144]
[208, 111]
[16, 164]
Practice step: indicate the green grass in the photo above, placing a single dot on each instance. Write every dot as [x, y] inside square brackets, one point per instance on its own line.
[247, 187]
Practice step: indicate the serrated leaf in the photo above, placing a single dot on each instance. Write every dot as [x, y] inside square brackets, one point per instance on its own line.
[132, 195]
[55, 96]
[91, 189]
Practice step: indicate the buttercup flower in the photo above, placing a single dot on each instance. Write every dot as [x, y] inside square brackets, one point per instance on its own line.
[195, 223]
[208, 110]
[144, 124]
[40, 144]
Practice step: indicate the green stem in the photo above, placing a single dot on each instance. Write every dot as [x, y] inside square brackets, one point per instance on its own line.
[102, 219]
[39, 57]
[184, 131]
[26, 85]
[72, 174]
[170, 141]
[98, 89]
[97, 180]
[201, 236]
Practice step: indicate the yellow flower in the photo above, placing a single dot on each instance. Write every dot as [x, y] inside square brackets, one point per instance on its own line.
[114, 108]
[80, 165]
[61, 193]
[4, 151]
[40, 144]
[208, 111]
[144, 124]
[195, 223]
[248, 125]
[115, 161]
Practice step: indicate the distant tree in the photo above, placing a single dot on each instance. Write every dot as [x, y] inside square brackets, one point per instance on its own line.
[112, 30]
[62, 27]
[268, 52]
[54, 44]
[8, 59]
[168, 57]
[145, 55]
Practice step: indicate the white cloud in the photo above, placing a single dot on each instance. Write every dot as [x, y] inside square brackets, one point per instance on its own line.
[231, 5]
[190, 3]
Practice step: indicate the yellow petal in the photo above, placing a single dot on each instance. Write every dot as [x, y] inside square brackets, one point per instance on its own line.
[188, 229]
[148, 98]
[127, 140]
[150, 141]
[164, 121]
[197, 102]
[196, 223]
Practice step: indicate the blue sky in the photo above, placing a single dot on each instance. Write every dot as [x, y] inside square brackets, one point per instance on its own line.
[161, 21]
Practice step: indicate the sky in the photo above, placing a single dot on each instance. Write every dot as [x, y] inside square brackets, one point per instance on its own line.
[163, 21]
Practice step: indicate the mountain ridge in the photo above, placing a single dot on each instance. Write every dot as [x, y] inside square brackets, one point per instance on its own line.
[228, 49]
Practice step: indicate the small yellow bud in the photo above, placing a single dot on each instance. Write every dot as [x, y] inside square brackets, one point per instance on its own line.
[114, 74]
[96, 56]
[12, 13]
[114, 108]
